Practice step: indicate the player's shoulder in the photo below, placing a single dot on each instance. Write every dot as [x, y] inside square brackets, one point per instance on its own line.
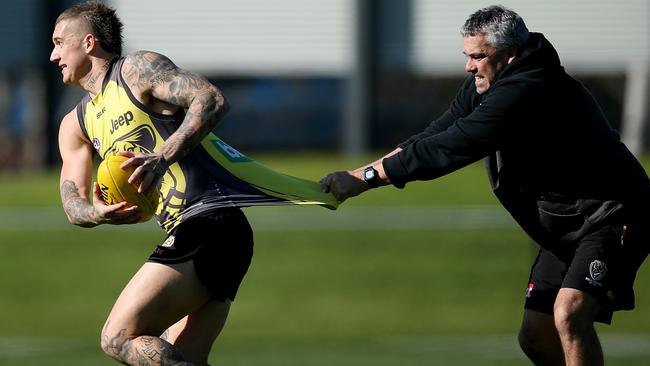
[145, 60]
[71, 117]
[140, 68]
[70, 126]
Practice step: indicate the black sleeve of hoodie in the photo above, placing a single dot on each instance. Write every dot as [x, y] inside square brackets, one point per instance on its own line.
[466, 139]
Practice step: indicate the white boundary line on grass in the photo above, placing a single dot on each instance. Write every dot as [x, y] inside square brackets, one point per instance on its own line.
[489, 346]
[20, 347]
[505, 346]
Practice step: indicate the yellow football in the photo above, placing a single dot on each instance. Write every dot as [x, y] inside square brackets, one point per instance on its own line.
[115, 187]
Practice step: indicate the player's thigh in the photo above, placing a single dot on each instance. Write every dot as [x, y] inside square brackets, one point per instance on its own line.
[194, 334]
[157, 296]
[595, 270]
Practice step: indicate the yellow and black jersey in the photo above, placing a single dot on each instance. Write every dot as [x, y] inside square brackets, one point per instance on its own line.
[212, 176]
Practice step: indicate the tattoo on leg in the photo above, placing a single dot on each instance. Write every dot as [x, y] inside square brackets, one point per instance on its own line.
[156, 351]
[143, 351]
[149, 348]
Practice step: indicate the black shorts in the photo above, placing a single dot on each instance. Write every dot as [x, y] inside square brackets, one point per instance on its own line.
[220, 245]
[602, 264]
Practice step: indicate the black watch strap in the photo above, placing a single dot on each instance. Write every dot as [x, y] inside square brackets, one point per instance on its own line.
[371, 176]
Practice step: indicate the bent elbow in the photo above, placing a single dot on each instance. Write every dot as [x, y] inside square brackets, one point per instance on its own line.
[74, 221]
[222, 104]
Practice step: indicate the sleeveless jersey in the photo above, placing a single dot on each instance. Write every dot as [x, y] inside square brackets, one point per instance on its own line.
[213, 175]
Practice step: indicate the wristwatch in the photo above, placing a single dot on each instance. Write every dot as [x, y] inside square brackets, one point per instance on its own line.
[371, 177]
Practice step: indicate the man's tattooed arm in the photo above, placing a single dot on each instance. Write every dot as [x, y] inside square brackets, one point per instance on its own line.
[80, 212]
[158, 79]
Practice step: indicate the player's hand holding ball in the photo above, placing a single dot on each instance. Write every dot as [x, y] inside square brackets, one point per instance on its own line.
[147, 170]
[123, 199]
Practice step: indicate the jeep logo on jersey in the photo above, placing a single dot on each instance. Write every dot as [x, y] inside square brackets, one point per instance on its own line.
[229, 152]
[142, 140]
[120, 121]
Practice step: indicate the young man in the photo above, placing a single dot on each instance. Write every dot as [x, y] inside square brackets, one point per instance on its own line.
[144, 107]
[556, 166]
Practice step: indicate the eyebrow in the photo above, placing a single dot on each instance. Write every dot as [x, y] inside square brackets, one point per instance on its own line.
[475, 54]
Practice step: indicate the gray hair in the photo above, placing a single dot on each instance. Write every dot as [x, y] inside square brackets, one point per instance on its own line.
[503, 27]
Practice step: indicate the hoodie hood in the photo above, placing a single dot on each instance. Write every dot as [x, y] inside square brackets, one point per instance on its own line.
[538, 56]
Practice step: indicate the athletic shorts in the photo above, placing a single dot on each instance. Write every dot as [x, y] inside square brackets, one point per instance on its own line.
[602, 264]
[221, 247]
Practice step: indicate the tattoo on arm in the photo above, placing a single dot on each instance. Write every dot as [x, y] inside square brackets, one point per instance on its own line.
[187, 136]
[78, 209]
[204, 103]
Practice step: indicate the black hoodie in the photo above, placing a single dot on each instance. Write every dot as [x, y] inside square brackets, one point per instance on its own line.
[548, 149]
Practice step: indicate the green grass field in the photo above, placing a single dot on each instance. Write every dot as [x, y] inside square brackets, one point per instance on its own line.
[431, 275]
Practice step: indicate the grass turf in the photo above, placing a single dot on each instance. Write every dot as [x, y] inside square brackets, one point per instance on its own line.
[335, 297]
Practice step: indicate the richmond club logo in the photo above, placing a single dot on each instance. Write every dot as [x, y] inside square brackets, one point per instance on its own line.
[141, 139]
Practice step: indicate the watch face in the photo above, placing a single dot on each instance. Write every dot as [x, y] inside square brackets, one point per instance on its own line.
[371, 177]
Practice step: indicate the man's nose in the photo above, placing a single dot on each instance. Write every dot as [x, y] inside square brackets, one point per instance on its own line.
[54, 56]
[470, 66]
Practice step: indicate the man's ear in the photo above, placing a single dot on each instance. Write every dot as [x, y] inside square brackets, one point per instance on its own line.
[89, 42]
[512, 54]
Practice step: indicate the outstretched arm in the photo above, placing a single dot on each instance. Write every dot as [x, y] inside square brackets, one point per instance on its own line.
[346, 184]
[76, 173]
[157, 82]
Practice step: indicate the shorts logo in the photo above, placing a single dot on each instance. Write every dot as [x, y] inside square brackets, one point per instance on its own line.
[597, 271]
[529, 290]
[169, 242]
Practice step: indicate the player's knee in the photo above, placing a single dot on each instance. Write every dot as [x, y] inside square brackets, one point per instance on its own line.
[538, 337]
[572, 318]
[530, 341]
[526, 339]
[567, 321]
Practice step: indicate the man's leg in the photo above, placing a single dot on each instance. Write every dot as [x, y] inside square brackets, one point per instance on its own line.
[156, 297]
[574, 314]
[194, 335]
[539, 340]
